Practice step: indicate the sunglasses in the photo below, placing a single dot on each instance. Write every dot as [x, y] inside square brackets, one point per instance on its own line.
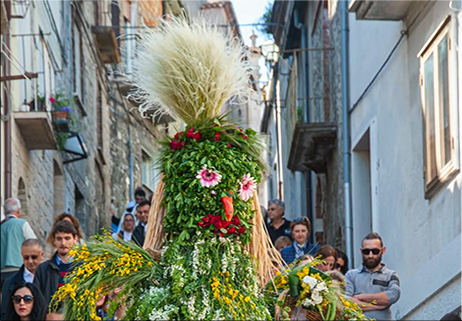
[374, 251]
[27, 257]
[301, 219]
[338, 266]
[28, 299]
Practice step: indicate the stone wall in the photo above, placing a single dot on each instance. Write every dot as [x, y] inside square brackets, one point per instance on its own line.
[326, 106]
[86, 187]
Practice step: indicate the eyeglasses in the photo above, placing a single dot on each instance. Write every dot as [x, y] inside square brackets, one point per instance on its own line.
[27, 257]
[338, 266]
[374, 251]
[28, 299]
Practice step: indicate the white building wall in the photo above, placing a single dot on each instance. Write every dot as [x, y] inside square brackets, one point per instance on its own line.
[423, 237]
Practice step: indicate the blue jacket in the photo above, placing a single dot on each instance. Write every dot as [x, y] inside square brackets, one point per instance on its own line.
[288, 253]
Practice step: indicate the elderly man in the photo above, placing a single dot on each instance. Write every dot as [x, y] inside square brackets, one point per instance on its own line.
[373, 286]
[277, 226]
[14, 231]
[32, 254]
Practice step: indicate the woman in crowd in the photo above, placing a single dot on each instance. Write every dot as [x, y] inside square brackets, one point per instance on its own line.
[328, 255]
[126, 226]
[26, 303]
[300, 230]
[342, 262]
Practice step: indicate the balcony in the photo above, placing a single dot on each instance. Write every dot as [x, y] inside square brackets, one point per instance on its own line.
[311, 146]
[385, 10]
[106, 43]
[36, 129]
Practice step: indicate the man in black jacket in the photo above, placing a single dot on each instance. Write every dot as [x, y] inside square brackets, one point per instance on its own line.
[49, 276]
[142, 213]
[32, 254]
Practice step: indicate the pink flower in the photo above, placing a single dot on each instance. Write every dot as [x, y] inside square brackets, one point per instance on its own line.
[52, 100]
[248, 187]
[208, 178]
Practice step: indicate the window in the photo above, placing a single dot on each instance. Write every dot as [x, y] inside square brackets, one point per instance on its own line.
[437, 85]
[149, 172]
[78, 62]
[47, 80]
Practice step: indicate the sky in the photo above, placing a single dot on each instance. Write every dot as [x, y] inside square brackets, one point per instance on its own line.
[248, 12]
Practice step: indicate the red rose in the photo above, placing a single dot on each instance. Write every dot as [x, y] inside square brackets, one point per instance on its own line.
[173, 145]
[201, 224]
[245, 137]
[218, 224]
[217, 137]
[236, 220]
[225, 224]
[221, 234]
[229, 145]
[190, 132]
[241, 230]
[52, 100]
[231, 230]
[215, 219]
[177, 135]
[196, 136]
[206, 219]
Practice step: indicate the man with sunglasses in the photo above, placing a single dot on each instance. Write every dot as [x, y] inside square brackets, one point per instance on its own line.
[32, 254]
[373, 286]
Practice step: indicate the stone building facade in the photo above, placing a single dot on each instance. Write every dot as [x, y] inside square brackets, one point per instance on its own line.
[307, 94]
[74, 48]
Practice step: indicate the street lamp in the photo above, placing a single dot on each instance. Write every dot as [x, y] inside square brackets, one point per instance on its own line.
[75, 145]
[270, 51]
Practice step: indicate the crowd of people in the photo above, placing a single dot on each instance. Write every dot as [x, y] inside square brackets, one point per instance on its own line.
[31, 273]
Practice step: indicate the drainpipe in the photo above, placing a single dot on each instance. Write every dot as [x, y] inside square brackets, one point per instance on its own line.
[306, 116]
[9, 116]
[278, 132]
[346, 130]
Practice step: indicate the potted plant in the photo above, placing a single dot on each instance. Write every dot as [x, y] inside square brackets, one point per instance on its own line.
[63, 118]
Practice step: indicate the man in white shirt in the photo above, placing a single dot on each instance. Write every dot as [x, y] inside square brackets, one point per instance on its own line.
[32, 255]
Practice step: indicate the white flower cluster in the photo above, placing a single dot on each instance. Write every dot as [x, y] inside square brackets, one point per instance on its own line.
[163, 313]
[205, 303]
[316, 289]
[192, 306]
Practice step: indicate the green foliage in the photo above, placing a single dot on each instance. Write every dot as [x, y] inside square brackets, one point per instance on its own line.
[264, 20]
[186, 200]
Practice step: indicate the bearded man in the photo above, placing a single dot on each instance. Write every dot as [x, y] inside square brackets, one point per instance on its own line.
[373, 286]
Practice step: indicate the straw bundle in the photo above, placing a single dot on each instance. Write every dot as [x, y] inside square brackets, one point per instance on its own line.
[155, 229]
[268, 259]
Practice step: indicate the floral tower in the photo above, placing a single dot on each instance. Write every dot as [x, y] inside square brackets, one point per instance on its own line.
[206, 255]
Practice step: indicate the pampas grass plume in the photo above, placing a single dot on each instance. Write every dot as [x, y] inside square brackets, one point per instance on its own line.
[189, 70]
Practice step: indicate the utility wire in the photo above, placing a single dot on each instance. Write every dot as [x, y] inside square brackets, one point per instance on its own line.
[403, 33]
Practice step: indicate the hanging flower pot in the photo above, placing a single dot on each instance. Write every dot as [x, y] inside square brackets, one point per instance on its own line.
[61, 121]
[61, 114]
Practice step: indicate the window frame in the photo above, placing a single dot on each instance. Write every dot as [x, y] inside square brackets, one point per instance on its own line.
[444, 172]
